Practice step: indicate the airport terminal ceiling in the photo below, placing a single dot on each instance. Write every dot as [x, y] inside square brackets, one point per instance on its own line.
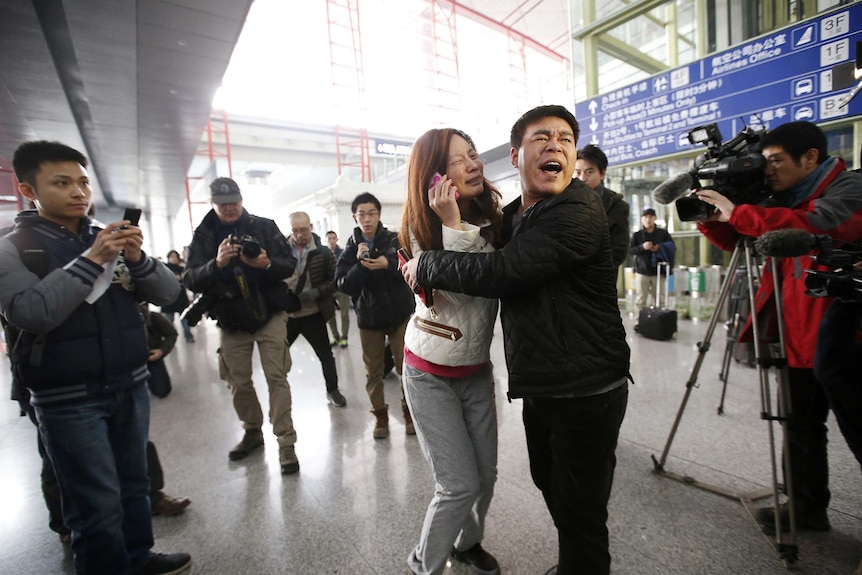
[132, 82]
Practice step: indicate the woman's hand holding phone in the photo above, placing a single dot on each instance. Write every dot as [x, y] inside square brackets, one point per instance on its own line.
[442, 198]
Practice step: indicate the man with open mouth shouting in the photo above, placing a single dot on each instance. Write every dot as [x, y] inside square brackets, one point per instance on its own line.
[565, 343]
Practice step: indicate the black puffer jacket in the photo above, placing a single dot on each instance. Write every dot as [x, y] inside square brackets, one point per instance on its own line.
[617, 210]
[202, 274]
[381, 297]
[562, 329]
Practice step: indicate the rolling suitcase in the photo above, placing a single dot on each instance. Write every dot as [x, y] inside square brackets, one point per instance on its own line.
[656, 322]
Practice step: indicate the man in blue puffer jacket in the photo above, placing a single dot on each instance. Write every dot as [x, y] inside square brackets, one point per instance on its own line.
[71, 291]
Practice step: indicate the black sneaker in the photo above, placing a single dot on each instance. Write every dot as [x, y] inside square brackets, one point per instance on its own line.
[336, 398]
[162, 564]
[806, 520]
[479, 559]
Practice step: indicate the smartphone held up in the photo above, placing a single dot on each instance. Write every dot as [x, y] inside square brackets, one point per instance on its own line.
[132, 215]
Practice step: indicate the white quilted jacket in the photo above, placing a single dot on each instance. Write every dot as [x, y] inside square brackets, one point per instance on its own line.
[474, 317]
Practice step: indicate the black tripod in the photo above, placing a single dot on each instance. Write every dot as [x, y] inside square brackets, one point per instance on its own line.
[774, 356]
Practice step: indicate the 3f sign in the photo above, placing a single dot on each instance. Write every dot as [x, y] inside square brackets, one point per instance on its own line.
[835, 26]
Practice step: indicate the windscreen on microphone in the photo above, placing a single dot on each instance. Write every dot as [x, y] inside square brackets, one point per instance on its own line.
[672, 189]
[788, 243]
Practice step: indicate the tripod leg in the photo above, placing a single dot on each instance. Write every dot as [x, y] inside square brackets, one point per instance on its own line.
[702, 347]
[775, 357]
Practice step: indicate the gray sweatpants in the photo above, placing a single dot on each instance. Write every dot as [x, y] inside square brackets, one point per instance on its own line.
[456, 423]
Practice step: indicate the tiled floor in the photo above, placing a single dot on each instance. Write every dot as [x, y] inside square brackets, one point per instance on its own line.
[357, 505]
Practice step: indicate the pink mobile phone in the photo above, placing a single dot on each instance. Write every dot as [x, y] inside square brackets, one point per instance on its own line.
[436, 178]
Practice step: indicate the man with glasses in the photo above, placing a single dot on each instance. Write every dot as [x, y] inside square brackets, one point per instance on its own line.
[368, 272]
[314, 283]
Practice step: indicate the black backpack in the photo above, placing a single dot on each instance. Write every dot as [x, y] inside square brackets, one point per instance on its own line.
[36, 259]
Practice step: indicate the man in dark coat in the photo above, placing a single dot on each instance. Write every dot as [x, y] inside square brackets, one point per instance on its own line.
[368, 272]
[314, 283]
[240, 261]
[650, 245]
[591, 167]
[563, 335]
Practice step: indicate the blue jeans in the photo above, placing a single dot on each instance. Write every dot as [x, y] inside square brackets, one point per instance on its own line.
[99, 451]
[572, 446]
[187, 331]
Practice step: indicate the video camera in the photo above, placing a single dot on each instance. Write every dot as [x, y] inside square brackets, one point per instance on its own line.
[735, 169]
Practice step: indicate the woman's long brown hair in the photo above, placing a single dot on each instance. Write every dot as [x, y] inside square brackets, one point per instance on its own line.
[430, 155]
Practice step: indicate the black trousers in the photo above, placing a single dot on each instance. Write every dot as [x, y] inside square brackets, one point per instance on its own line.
[838, 365]
[806, 433]
[313, 329]
[572, 447]
[160, 379]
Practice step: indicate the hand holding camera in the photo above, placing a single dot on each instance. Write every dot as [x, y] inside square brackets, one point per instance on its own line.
[246, 247]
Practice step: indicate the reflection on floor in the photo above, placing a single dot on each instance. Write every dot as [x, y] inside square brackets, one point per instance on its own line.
[357, 504]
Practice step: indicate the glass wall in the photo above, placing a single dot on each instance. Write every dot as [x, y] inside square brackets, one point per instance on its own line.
[668, 36]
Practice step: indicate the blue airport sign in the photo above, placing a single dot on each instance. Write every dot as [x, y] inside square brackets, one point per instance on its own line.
[797, 73]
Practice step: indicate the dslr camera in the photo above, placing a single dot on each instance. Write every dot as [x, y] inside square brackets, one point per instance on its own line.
[735, 169]
[248, 246]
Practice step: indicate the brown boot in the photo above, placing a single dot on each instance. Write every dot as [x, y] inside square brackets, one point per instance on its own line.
[381, 427]
[408, 421]
[251, 440]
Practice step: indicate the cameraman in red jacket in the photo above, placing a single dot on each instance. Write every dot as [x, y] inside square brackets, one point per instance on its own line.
[820, 196]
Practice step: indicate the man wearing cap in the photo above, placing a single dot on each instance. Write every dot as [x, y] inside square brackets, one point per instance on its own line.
[238, 262]
[650, 245]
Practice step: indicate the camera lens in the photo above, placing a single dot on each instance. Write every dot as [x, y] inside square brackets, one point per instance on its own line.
[250, 250]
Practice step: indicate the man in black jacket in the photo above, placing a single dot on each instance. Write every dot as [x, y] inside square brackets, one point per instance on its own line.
[239, 261]
[650, 245]
[314, 283]
[563, 334]
[591, 167]
[367, 271]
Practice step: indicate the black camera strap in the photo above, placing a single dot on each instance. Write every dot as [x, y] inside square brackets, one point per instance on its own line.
[301, 283]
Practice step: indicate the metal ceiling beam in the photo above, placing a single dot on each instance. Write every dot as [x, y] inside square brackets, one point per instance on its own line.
[632, 56]
[618, 18]
[495, 25]
[55, 27]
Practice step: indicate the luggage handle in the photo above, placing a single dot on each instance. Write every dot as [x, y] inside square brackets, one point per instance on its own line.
[666, 286]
